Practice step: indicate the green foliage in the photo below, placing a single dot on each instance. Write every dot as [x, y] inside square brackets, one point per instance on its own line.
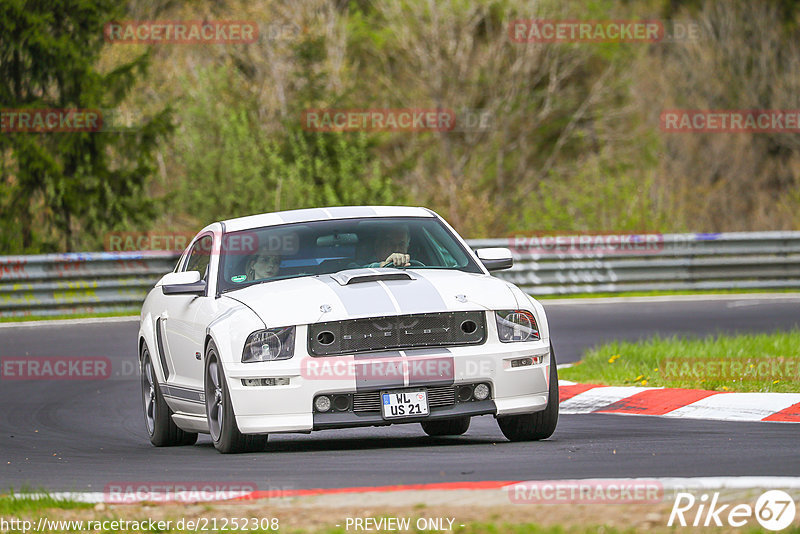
[601, 197]
[35, 501]
[64, 190]
[241, 170]
[574, 141]
[237, 166]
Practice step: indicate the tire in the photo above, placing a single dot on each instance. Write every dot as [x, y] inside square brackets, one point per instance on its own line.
[158, 421]
[446, 427]
[219, 411]
[539, 425]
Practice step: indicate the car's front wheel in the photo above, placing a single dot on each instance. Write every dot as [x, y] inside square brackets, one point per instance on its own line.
[219, 410]
[162, 430]
[446, 427]
[539, 425]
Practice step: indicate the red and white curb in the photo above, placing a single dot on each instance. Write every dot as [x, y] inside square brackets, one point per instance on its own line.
[421, 490]
[682, 403]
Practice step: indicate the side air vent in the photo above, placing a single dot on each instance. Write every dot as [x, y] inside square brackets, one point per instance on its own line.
[161, 356]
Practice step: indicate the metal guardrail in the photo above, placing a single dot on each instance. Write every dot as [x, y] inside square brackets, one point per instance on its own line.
[653, 262]
[97, 282]
[79, 283]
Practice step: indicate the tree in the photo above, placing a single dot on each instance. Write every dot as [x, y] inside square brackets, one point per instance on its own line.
[225, 146]
[62, 190]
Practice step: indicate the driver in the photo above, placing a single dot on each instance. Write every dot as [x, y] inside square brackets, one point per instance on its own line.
[391, 249]
[263, 264]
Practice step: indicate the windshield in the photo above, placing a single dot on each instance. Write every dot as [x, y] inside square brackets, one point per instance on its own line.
[325, 247]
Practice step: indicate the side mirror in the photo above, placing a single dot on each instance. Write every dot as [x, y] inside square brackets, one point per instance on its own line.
[495, 259]
[186, 283]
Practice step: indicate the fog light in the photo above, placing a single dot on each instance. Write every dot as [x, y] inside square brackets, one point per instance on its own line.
[322, 403]
[481, 392]
[277, 381]
[341, 403]
[464, 393]
[525, 362]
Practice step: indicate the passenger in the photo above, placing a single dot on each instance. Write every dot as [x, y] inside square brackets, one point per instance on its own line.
[263, 265]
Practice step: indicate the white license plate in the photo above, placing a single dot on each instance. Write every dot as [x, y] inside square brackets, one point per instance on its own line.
[404, 403]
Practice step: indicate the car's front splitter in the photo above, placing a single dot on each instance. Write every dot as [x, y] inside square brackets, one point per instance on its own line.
[349, 419]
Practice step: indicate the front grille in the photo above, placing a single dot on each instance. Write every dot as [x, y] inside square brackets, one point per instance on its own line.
[441, 396]
[370, 401]
[367, 402]
[396, 332]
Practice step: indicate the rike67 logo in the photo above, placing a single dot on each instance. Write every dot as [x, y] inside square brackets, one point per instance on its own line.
[774, 510]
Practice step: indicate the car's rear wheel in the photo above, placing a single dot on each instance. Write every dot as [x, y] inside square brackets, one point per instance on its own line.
[219, 410]
[446, 427]
[539, 425]
[162, 430]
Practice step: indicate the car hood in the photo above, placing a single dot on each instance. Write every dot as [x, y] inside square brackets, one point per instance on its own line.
[319, 298]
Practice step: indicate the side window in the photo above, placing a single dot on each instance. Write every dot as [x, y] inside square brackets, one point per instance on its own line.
[200, 256]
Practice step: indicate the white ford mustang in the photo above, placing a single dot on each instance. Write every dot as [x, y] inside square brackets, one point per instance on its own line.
[336, 318]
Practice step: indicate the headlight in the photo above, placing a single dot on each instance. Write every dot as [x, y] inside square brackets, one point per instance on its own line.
[516, 325]
[268, 345]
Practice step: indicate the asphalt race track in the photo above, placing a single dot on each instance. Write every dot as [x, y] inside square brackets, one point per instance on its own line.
[83, 435]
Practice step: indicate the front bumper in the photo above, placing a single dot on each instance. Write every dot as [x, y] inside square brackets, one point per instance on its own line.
[350, 419]
[289, 408]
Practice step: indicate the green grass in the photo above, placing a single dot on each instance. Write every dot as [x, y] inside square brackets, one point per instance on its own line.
[763, 362]
[27, 318]
[12, 504]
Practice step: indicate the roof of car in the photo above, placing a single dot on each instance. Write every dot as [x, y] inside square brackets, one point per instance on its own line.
[322, 214]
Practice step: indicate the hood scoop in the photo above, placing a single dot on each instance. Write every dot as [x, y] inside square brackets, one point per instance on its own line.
[357, 276]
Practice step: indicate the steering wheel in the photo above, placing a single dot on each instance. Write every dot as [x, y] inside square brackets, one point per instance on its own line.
[412, 263]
